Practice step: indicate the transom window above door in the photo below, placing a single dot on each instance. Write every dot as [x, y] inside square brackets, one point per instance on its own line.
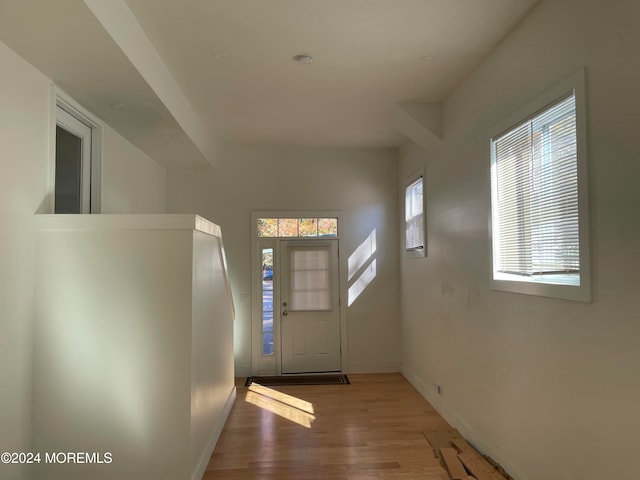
[297, 227]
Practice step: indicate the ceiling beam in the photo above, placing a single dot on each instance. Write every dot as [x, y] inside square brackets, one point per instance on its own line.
[421, 122]
[118, 20]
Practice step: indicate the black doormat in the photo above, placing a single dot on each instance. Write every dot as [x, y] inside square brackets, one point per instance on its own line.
[337, 379]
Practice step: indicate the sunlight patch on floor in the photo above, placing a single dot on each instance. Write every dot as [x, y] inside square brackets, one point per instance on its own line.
[286, 406]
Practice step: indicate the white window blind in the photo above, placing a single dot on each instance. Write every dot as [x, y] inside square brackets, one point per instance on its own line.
[414, 216]
[310, 279]
[535, 194]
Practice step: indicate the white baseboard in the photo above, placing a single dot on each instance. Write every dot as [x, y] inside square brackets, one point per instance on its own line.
[457, 421]
[369, 367]
[201, 467]
[354, 367]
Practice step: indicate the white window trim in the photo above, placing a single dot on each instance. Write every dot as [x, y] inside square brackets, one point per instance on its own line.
[61, 99]
[418, 252]
[576, 83]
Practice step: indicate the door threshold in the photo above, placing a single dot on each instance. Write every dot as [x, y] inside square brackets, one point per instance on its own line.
[299, 379]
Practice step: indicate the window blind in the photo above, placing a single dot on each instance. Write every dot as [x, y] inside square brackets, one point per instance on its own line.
[309, 279]
[414, 216]
[536, 200]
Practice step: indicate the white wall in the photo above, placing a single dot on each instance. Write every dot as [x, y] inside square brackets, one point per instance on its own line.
[359, 182]
[549, 387]
[112, 356]
[131, 180]
[212, 358]
[24, 156]
[24, 147]
[133, 347]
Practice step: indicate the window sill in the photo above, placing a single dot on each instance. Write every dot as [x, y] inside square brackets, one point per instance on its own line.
[415, 253]
[552, 279]
[567, 287]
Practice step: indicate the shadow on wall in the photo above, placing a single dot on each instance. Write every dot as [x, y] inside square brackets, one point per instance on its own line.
[295, 409]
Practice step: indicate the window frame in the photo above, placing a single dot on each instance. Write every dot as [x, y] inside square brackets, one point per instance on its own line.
[415, 252]
[542, 286]
[60, 99]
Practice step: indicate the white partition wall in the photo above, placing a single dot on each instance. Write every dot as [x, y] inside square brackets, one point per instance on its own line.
[133, 345]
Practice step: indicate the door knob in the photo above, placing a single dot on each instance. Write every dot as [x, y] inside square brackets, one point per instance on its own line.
[285, 313]
[284, 304]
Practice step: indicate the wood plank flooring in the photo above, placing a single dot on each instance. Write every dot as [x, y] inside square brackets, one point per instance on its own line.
[371, 429]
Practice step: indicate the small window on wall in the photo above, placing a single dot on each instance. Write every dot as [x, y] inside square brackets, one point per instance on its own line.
[414, 217]
[538, 203]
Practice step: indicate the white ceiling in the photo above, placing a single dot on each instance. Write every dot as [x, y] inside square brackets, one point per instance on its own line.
[368, 56]
[233, 61]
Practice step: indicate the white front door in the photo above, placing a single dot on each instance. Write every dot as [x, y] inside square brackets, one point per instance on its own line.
[310, 310]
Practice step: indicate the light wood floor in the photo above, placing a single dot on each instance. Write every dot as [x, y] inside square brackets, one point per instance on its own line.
[371, 429]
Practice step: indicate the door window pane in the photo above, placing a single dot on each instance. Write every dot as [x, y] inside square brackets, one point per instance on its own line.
[267, 301]
[267, 227]
[308, 227]
[328, 227]
[288, 227]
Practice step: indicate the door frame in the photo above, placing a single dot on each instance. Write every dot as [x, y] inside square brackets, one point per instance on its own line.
[272, 364]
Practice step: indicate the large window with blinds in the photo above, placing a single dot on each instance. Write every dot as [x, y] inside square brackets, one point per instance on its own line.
[536, 180]
[414, 216]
